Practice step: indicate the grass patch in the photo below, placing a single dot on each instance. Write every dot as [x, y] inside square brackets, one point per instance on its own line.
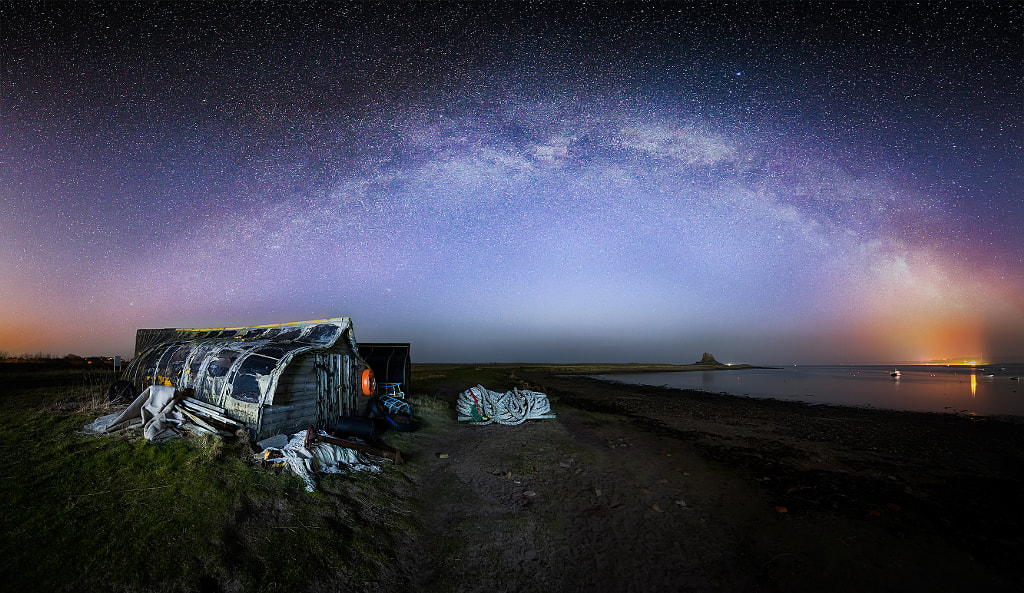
[447, 381]
[187, 514]
[118, 513]
[123, 512]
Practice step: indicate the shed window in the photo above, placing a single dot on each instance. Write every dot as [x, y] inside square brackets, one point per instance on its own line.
[257, 365]
[174, 366]
[272, 351]
[220, 365]
[246, 388]
[198, 358]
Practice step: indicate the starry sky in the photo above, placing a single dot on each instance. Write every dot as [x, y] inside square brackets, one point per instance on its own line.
[775, 183]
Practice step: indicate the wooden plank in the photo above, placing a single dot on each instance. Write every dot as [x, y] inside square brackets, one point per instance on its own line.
[203, 404]
[297, 399]
[279, 413]
[198, 421]
[210, 414]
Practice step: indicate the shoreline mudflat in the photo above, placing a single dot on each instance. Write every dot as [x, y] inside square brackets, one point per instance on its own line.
[573, 369]
[646, 488]
[950, 484]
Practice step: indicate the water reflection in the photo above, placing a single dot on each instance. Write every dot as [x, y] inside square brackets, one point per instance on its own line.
[925, 388]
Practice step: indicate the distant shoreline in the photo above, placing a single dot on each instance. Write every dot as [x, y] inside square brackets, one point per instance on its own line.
[592, 368]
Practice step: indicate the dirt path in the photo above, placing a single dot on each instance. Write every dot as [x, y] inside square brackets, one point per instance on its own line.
[581, 503]
[636, 489]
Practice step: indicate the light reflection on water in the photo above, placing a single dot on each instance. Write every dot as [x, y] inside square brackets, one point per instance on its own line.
[983, 390]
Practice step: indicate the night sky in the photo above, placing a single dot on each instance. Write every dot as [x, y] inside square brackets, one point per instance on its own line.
[775, 183]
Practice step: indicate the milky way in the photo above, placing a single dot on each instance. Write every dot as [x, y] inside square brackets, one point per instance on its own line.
[776, 183]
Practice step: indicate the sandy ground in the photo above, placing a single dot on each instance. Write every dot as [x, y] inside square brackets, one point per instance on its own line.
[638, 488]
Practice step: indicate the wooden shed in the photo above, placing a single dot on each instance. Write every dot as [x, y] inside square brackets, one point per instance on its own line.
[275, 379]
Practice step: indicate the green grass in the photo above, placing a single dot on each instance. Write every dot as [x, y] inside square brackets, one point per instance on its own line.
[122, 511]
[118, 513]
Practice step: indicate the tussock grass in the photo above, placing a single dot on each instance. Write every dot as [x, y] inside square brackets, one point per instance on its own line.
[188, 514]
[118, 513]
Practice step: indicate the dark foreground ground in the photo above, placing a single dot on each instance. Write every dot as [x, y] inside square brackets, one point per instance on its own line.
[643, 488]
[630, 488]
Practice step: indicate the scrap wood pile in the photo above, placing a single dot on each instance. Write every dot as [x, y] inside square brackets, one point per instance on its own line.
[164, 413]
[207, 418]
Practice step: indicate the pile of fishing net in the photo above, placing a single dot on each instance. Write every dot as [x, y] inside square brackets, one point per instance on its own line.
[480, 405]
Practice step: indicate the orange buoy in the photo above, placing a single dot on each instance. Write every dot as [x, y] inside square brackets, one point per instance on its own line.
[369, 383]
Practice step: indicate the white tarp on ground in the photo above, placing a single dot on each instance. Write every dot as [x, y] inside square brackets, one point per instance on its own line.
[153, 410]
[321, 457]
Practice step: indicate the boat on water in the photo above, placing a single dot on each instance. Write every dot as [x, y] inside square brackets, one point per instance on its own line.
[895, 373]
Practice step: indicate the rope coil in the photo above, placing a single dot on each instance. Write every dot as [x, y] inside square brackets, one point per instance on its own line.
[481, 406]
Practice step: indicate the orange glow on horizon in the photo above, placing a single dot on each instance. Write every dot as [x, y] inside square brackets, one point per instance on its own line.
[926, 339]
[906, 303]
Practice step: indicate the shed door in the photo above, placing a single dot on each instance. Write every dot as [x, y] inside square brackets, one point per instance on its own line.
[332, 378]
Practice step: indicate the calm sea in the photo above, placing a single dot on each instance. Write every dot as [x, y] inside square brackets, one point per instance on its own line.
[982, 390]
